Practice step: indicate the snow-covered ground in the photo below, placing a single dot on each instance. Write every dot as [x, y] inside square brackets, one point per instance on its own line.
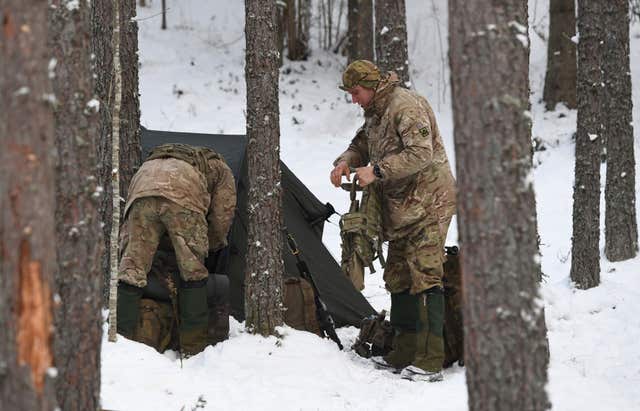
[191, 79]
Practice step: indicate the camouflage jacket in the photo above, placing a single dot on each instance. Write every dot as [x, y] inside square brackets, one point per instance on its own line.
[181, 183]
[401, 136]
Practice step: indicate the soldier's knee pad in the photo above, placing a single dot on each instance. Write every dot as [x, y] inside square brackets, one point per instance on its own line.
[404, 311]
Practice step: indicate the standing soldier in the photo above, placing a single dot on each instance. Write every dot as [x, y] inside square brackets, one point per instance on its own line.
[189, 194]
[400, 145]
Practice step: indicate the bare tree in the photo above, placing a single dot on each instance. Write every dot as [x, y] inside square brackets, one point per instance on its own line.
[503, 316]
[130, 150]
[621, 227]
[585, 249]
[265, 267]
[360, 30]
[78, 317]
[27, 233]
[391, 38]
[298, 18]
[560, 80]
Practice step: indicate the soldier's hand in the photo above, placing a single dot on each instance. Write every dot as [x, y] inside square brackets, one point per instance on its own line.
[365, 176]
[342, 169]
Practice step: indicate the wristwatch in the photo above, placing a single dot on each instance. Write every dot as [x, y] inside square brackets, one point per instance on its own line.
[376, 171]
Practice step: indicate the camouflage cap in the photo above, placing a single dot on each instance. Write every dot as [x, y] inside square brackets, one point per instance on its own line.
[360, 73]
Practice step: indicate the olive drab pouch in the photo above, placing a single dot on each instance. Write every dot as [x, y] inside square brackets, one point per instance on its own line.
[361, 233]
[375, 338]
[453, 325]
[299, 301]
[156, 327]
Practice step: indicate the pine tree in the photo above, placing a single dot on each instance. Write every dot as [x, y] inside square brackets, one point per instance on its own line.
[391, 38]
[78, 318]
[503, 316]
[265, 267]
[560, 80]
[27, 232]
[360, 30]
[585, 248]
[621, 227]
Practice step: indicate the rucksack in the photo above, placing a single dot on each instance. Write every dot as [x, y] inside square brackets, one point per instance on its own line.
[159, 306]
[375, 337]
[361, 233]
[198, 157]
[300, 305]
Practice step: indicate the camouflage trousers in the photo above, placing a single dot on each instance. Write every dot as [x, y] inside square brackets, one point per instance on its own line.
[148, 219]
[414, 262]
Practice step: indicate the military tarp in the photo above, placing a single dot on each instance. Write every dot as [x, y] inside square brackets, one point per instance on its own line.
[304, 217]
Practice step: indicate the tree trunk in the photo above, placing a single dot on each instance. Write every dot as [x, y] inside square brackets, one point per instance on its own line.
[27, 233]
[621, 229]
[560, 81]
[503, 316]
[78, 318]
[265, 267]
[391, 38]
[360, 37]
[130, 150]
[585, 250]
[298, 22]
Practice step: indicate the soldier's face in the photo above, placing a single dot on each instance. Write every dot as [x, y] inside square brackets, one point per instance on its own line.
[362, 96]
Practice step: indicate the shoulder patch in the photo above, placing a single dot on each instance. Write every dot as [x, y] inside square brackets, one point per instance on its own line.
[424, 131]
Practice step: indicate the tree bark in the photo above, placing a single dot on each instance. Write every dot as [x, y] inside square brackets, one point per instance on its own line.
[360, 37]
[298, 14]
[585, 250]
[560, 80]
[78, 317]
[265, 267]
[130, 149]
[27, 233]
[503, 315]
[391, 38]
[621, 229]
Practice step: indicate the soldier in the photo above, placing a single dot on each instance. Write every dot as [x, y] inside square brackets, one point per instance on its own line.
[189, 194]
[400, 145]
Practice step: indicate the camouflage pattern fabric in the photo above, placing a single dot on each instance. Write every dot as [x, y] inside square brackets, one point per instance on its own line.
[360, 73]
[415, 263]
[147, 220]
[213, 195]
[401, 136]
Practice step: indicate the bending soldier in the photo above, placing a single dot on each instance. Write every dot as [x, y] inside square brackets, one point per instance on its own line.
[189, 194]
[400, 145]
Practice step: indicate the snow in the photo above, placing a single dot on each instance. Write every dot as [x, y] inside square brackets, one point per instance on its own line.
[191, 79]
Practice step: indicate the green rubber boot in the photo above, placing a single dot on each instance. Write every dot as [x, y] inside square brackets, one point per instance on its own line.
[430, 342]
[403, 319]
[194, 317]
[128, 313]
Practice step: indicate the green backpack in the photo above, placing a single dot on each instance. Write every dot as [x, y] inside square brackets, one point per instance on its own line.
[198, 157]
[361, 233]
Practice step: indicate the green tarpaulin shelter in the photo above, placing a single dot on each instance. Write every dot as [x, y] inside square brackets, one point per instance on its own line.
[304, 217]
